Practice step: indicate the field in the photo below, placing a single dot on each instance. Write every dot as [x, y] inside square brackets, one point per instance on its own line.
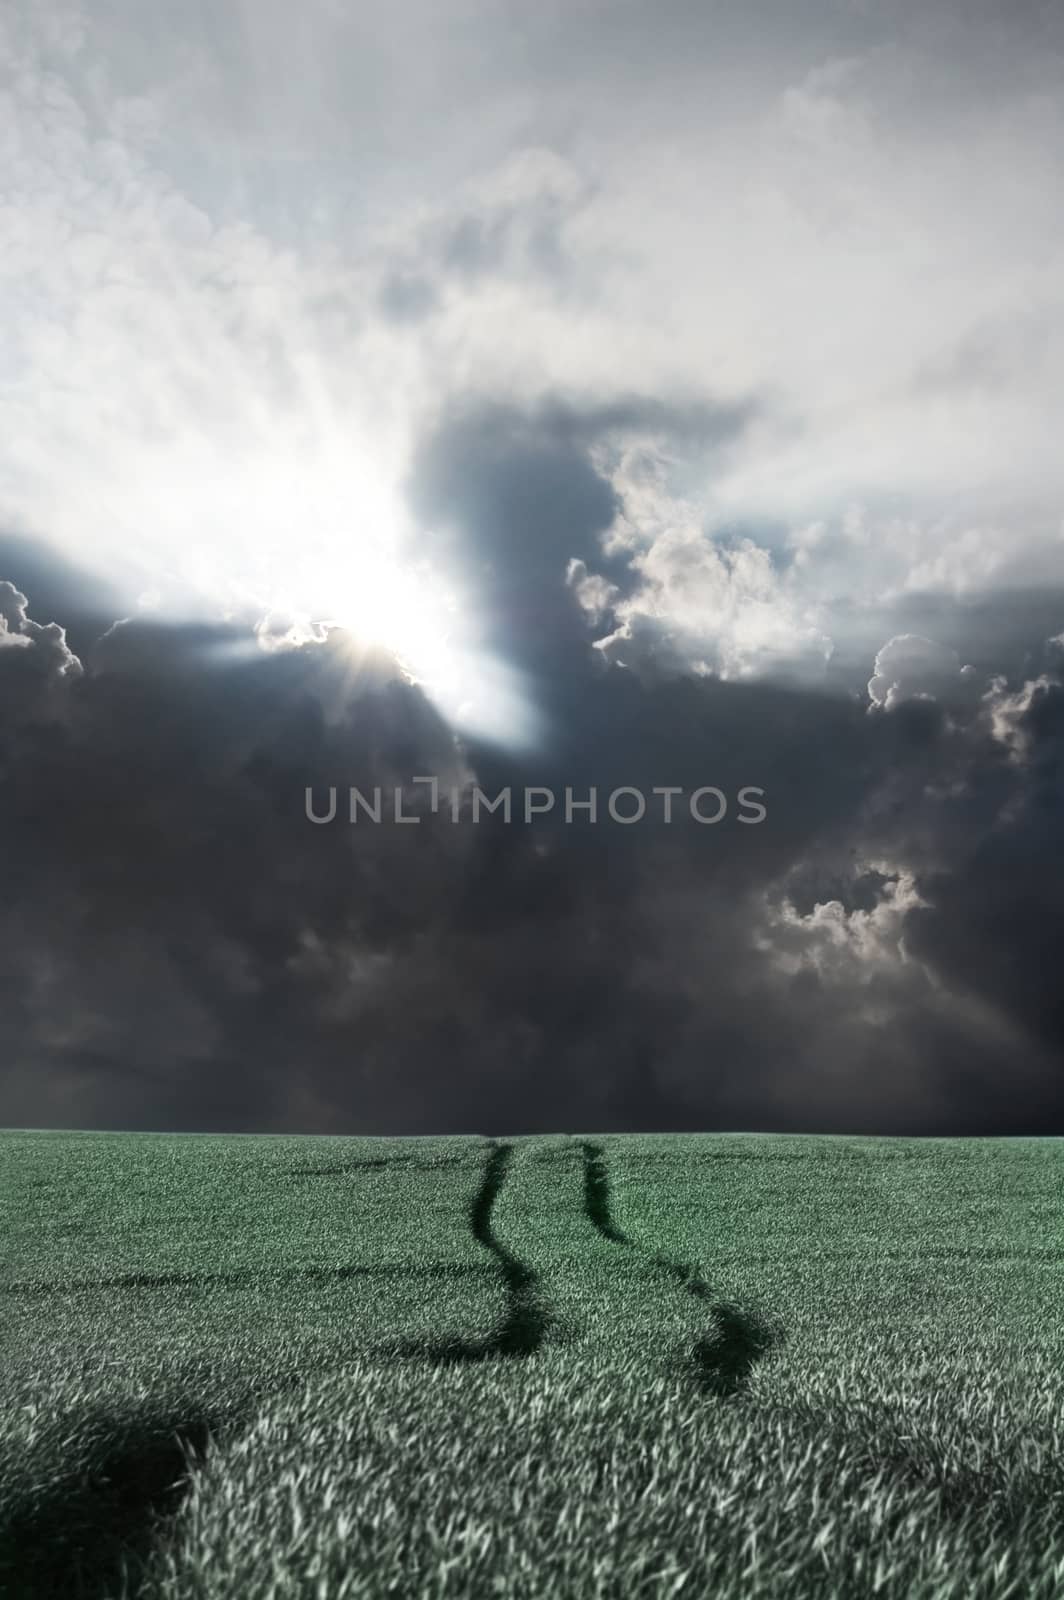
[576, 1367]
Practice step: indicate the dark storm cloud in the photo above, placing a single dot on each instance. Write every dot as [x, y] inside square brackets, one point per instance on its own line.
[61, 590]
[510, 497]
[996, 921]
[517, 494]
[165, 875]
[181, 947]
[762, 371]
[37, 661]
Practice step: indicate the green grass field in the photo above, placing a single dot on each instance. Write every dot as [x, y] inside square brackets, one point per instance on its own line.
[576, 1367]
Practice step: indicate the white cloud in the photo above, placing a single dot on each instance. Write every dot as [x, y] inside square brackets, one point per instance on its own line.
[910, 667]
[1009, 711]
[596, 595]
[853, 948]
[712, 610]
[202, 394]
[699, 603]
[38, 664]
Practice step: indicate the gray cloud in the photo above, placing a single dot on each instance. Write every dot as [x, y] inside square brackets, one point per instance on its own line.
[37, 663]
[910, 667]
[179, 936]
[655, 372]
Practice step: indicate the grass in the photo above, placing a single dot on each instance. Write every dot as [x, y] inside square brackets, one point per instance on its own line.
[612, 1367]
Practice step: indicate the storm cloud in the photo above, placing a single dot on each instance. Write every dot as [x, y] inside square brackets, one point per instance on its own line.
[605, 396]
[183, 947]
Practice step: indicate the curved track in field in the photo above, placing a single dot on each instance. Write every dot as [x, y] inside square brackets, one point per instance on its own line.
[526, 1319]
[724, 1358]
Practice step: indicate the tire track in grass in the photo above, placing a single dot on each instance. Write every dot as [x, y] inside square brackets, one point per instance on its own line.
[526, 1320]
[724, 1358]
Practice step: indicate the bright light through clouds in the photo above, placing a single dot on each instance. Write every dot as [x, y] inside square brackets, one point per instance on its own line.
[209, 420]
[330, 544]
[671, 392]
[240, 284]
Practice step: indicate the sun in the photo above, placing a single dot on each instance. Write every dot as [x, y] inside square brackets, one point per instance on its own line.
[414, 614]
[405, 612]
[308, 544]
[334, 545]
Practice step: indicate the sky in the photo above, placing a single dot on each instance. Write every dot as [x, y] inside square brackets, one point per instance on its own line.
[587, 396]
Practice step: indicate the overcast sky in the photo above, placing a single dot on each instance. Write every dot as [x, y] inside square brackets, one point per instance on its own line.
[585, 394]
